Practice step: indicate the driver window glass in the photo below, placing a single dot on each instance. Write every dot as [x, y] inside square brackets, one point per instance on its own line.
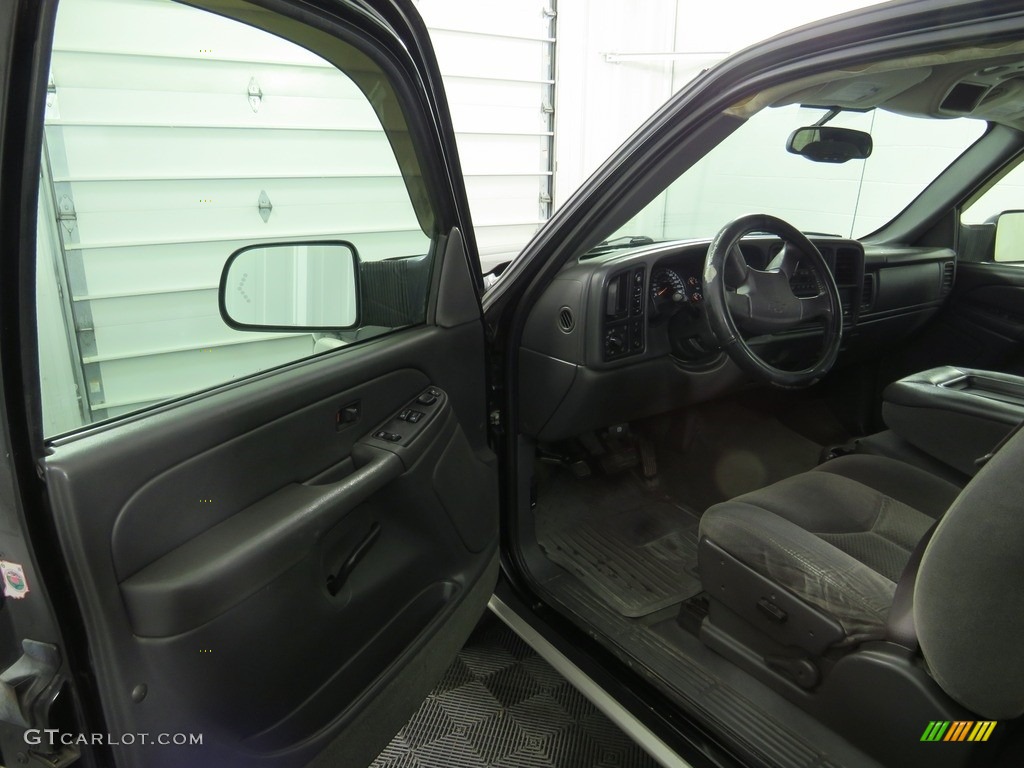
[175, 137]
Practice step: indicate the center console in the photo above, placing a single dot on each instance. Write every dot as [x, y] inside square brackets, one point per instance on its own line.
[956, 415]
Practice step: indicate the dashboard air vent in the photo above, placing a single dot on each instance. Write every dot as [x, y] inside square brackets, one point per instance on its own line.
[566, 320]
[948, 273]
[867, 296]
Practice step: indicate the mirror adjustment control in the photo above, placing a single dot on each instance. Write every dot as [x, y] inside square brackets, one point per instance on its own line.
[412, 420]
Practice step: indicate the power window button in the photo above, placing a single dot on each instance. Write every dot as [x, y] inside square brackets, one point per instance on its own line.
[391, 437]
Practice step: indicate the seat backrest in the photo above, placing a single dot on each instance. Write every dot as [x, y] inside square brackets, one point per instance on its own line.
[969, 595]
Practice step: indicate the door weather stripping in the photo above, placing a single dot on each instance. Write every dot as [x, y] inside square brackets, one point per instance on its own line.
[600, 698]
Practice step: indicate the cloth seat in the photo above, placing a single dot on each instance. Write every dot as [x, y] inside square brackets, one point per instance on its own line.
[838, 537]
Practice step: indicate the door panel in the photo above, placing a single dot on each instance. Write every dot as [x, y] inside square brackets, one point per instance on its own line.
[981, 325]
[256, 560]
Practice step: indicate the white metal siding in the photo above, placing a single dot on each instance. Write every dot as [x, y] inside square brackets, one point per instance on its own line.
[497, 62]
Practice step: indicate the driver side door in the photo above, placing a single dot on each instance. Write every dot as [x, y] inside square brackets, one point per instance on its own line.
[271, 541]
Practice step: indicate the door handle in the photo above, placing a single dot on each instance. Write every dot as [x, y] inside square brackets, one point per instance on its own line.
[337, 581]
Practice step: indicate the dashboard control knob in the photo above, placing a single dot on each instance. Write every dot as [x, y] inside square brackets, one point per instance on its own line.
[614, 342]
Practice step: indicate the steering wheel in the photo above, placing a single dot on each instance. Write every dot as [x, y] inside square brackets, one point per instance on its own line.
[738, 296]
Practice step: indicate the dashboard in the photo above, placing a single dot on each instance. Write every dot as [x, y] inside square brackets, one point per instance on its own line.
[624, 334]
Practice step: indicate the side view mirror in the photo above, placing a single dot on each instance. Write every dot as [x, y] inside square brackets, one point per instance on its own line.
[1009, 245]
[300, 286]
[826, 144]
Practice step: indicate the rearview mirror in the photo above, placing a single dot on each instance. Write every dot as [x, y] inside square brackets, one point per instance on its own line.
[291, 287]
[826, 144]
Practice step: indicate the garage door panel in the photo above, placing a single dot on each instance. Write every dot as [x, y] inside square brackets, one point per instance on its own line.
[212, 194]
[519, 154]
[491, 57]
[173, 374]
[81, 106]
[122, 151]
[498, 19]
[481, 92]
[243, 222]
[175, 34]
[147, 72]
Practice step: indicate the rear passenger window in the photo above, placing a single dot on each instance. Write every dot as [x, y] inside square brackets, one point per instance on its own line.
[174, 138]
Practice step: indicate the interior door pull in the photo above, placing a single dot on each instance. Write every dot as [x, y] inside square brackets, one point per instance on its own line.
[337, 581]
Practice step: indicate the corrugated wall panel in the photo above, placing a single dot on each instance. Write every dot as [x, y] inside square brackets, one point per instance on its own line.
[497, 62]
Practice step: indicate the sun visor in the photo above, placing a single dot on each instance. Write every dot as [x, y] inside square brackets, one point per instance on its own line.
[862, 91]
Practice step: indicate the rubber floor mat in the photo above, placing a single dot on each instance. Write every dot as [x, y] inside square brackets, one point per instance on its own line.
[500, 705]
[638, 560]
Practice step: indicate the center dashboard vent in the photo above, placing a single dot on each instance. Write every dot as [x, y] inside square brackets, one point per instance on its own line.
[566, 320]
[846, 267]
[867, 295]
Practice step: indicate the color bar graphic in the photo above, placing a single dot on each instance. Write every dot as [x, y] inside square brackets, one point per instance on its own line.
[958, 730]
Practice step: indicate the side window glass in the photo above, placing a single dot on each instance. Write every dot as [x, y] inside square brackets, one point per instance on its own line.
[175, 138]
[1002, 205]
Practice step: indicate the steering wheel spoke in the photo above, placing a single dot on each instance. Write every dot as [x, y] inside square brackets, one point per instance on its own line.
[813, 307]
[739, 306]
[762, 302]
[737, 271]
[786, 261]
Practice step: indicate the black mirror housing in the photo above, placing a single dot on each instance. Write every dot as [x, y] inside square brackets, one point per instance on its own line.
[827, 144]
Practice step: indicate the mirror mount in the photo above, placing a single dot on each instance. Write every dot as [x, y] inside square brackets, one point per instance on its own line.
[291, 287]
[832, 113]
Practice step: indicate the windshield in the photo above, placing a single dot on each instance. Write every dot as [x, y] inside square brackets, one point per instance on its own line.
[751, 172]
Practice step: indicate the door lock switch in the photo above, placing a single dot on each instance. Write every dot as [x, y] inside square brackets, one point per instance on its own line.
[428, 398]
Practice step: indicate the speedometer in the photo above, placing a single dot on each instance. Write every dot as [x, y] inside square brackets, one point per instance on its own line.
[667, 288]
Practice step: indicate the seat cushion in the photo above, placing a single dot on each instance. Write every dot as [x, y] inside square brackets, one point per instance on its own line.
[904, 482]
[838, 537]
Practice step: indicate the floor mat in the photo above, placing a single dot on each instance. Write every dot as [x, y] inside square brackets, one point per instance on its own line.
[730, 450]
[502, 705]
[638, 560]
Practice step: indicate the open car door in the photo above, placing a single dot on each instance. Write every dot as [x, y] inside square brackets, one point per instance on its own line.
[252, 504]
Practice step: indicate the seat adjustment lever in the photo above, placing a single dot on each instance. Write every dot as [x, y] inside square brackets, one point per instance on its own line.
[803, 672]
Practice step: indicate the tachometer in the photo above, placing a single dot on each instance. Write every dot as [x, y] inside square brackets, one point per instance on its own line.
[667, 288]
